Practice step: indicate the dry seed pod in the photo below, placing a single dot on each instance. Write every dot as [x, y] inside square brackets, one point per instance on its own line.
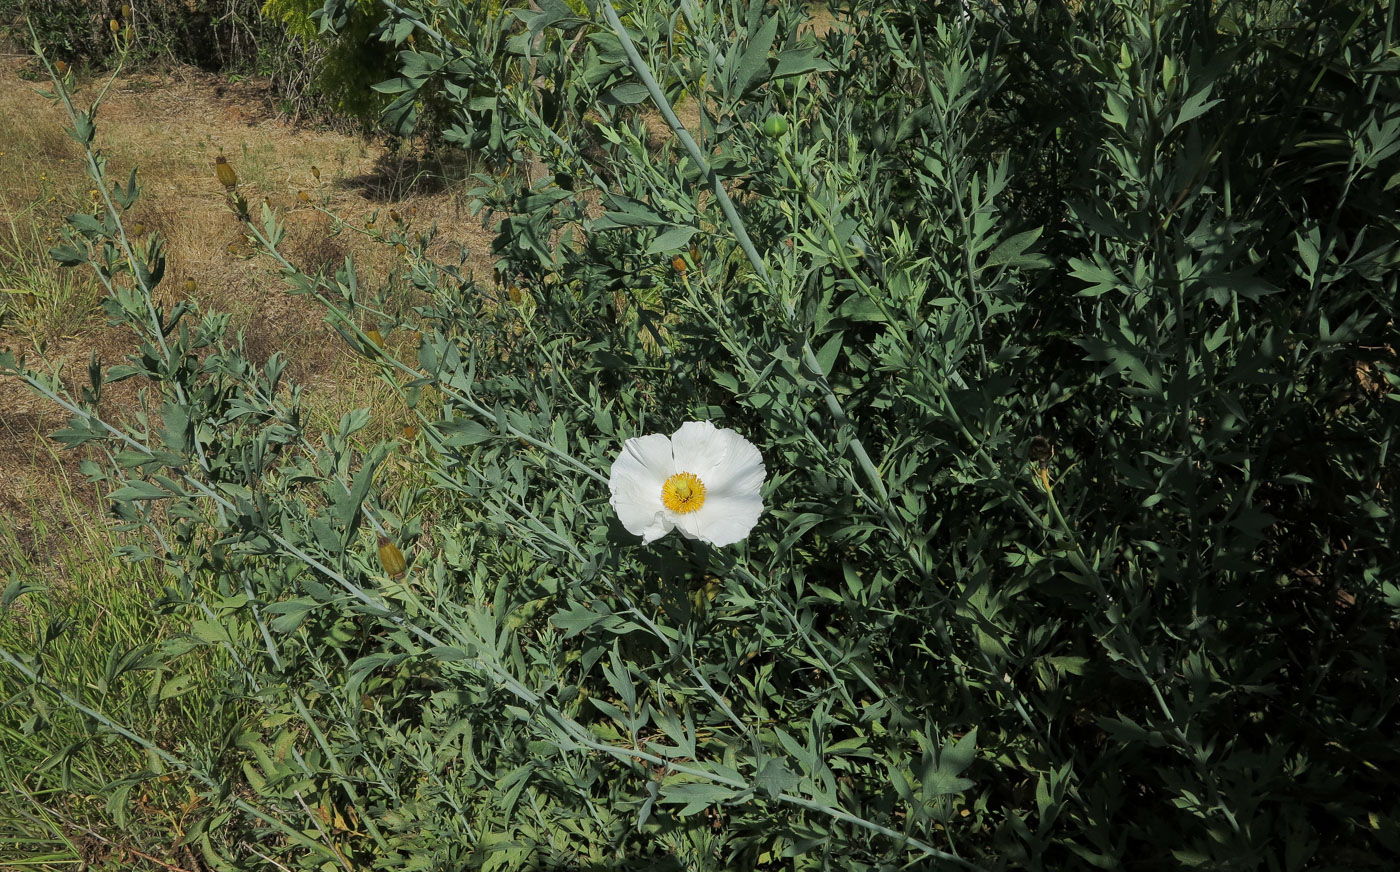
[315, 172]
[375, 337]
[224, 171]
[394, 216]
[400, 248]
[137, 229]
[679, 263]
[409, 431]
[189, 286]
[113, 26]
[391, 558]
[303, 196]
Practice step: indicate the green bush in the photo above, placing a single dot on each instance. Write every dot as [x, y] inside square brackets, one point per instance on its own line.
[1067, 336]
[350, 63]
[234, 39]
[188, 31]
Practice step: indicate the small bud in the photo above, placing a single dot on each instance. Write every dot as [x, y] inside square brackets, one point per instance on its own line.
[315, 172]
[137, 229]
[375, 336]
[391, 558]
[126, 11]
[224, 171]
[515, 295]
[394, 216]
[303, 196]
[189, 286]
[113, 26]
[369, 225]
[401, 248]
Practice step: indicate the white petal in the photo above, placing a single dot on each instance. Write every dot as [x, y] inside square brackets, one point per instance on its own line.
[727, 463]
[722, 520]
[659, 526]
[635, 484]
[732, 471]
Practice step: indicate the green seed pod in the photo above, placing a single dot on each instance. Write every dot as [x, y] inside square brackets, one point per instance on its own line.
[224, 171]
[391, 558]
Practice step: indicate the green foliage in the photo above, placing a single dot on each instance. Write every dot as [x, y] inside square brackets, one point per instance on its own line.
[76, 791]
[37, 302]
[353, 61]
[197, 32]
[1067, 337]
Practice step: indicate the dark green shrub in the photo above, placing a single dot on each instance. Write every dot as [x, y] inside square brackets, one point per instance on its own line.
[186, 31]
[1067, 336]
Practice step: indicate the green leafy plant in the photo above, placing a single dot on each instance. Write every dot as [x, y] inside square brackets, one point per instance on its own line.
[1065, 336]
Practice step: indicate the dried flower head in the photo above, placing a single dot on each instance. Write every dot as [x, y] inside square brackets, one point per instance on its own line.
[1041, 450]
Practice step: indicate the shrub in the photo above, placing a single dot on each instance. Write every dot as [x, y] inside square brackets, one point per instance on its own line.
[1066, 335]
[351, 60]
[188, 31]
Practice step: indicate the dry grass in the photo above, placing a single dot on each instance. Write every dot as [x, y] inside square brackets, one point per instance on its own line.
[172, 128]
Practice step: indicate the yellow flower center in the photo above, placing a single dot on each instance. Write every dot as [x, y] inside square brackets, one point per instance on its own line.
[683, 493]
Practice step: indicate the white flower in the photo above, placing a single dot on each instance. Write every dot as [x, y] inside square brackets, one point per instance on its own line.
[703, 480]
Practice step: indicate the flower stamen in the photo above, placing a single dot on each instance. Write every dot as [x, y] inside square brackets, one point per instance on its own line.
[683, 493]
